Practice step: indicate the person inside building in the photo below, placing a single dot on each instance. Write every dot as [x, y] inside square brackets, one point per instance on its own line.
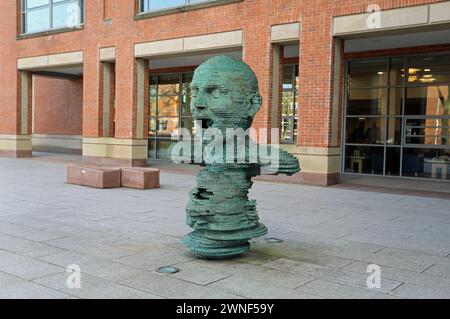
[373, 134]
[357, 135]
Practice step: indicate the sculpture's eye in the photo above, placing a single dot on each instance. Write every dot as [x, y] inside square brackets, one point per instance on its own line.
[213, 91]
[194, 92]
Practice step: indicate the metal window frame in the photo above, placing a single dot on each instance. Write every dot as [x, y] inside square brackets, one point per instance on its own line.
[405, 86]
[50, 5]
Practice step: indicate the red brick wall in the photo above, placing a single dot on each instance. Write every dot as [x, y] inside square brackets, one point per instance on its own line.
[254, 17]
[58, 106]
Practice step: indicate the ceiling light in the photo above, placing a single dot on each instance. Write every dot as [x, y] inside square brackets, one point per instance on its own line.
[380, 73]
[427, 70]
[427, 80]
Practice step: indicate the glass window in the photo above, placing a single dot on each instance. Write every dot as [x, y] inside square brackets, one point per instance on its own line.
[167, 126]
[393, 155]
[427, 100]
[152, 5]
[394, 131]
[427, 131]
[367, 102]
[426, 162]
[162, 149]
[364, 159]
[38, 20]
[396, 101]
[365, 130]
[42, 15]
[407, 114]
[289, 103]
[368, 74]
[429, 69]
[36, 3]
[397, 72]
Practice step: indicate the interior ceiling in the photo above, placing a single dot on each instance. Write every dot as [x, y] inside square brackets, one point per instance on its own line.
[189, 60]
[398, 41]
[291, 51]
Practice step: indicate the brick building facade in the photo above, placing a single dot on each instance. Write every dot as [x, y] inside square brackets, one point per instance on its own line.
[90, 86]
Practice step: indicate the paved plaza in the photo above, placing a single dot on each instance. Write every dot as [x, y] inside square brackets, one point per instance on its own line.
[119, 237]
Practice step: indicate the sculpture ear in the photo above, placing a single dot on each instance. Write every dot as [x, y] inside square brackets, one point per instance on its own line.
[255, 101]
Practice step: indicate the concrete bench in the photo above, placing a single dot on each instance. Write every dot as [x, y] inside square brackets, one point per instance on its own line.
[140, 178]
[92, 176]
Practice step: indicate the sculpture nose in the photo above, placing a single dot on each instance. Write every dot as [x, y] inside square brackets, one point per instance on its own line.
[200, 102]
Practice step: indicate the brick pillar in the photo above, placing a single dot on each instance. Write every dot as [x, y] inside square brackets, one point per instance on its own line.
[259, 54]
[16, 141]
[318, 144]
[15, 90]
[128, 145]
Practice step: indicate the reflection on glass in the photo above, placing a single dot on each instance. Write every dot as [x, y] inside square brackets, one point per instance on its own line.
[364, 159]
[152, 127]
[166, 126]
[38, 20]
[367, 102]
[397, 72]
[429, 131]
[162, 149]
[188, 123]
[396, 101]
[393, 161]
[428, 163]
[169, 84]
[153, 104]
[186, 95]
[428, 70]
[151, 148]
[168, 105]
[368, 73]
[62, 15]
[429, 100]
[394, 131]
[365, 130]
[286, 129]
[36, 3]
[289, 103]
[149, 5]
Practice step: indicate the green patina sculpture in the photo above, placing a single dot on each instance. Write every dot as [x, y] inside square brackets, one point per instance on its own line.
[225, 95]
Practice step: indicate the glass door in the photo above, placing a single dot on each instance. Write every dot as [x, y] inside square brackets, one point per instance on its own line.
[169, 109]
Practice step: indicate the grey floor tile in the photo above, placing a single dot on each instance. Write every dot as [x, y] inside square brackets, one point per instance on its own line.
[173, 288]
[255, 289]
[25, 267]
[94, 288]
[29, 290]
[335, 290]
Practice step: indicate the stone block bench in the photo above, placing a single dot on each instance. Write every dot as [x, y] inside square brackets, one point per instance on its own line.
[140, 178]
[93, 176]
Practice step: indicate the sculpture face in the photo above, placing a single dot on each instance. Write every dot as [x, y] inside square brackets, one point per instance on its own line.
[224, 94]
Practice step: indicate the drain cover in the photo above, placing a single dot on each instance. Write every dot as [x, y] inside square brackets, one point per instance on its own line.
[273, 240]
[168, 270]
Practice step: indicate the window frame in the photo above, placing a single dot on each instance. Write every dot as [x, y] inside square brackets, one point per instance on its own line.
[49, 6]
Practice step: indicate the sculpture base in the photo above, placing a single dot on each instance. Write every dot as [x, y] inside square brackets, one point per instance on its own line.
[221, 244]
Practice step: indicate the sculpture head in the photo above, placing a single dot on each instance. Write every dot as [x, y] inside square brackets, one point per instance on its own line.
[224, 94]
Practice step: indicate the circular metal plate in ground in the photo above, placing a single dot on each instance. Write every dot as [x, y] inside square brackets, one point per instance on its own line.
[168, 270]
[273, 240]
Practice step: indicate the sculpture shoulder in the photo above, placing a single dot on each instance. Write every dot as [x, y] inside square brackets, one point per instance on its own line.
[276, 161]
